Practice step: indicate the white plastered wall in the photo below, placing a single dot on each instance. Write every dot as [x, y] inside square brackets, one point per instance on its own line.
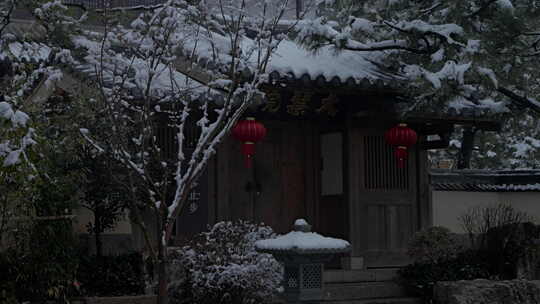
[449, 205]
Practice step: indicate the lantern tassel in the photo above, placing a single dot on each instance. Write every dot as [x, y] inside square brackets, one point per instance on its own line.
[249, 161]
[401, 163]
[248, 149]
[401, 154]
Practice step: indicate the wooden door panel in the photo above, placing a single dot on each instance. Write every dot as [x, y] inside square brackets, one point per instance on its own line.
[392, 197]
[293, 168]
[376, 228]
[384, 198]
[293, 196]
[240, 201]
[268, 158]
[280, 164]
[389, 226]
[332, 220]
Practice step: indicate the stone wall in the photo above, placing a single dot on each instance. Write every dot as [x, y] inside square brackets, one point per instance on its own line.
[488, 292]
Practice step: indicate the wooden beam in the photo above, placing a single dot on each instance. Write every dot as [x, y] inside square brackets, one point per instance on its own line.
[434, 144]
[484, 124]
[432, 129]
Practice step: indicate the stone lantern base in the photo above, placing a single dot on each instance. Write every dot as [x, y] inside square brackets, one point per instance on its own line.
[303, 282]
[303, 254]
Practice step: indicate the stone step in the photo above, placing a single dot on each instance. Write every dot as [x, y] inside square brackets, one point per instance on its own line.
[362, 291]
[353, 276]
[378, 301]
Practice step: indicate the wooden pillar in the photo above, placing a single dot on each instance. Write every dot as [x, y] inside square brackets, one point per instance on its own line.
[425, 211]
[354, 155]
[467, 145]
[312, 167]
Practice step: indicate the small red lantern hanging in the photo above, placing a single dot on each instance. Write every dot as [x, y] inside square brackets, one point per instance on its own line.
[249, 132]
[401, 137]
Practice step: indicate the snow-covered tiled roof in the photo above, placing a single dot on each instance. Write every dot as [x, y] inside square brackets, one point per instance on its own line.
[291, 62]
[164, 79]
[326, 65]
[486, 180]
[468, 187]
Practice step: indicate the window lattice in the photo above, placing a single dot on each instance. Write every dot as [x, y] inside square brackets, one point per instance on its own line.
[291, 277]
[312, 276]
[381, 170]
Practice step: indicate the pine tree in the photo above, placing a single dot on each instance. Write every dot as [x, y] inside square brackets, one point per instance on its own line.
[478, 57]
[480, 54]
[516, 146]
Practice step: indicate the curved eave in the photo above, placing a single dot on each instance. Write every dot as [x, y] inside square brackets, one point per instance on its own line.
[306, 80]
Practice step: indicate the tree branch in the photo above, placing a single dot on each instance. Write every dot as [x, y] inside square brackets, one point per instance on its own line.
[386, 48]
[519, 100]
[6, 19]
[482, 8]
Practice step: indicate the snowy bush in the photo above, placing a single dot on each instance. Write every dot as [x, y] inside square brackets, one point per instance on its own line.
[439, 256]
[222, 266]
[433, 244]
[513, 250]
[420, 278]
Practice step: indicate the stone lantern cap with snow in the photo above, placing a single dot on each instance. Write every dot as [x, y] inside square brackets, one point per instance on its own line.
[303, 254]
[301, 241]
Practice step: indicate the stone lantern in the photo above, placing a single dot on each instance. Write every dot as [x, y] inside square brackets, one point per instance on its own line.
[303, 254]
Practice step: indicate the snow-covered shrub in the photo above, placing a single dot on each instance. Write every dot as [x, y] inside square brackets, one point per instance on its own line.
[222, 266]
[513, 250]
[420, 278]
[438, 255]
[433, 244]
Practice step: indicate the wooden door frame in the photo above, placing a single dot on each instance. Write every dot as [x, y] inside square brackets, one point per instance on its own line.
[221, 168]
[358, 212]
[328, 128]
[312, 178]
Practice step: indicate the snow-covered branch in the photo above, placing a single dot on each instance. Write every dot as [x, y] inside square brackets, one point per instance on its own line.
[165, 125]
[494, 40]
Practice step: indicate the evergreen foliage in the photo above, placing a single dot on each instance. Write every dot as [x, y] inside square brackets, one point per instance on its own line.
[516, 146]
[108, 276]
[479, 56]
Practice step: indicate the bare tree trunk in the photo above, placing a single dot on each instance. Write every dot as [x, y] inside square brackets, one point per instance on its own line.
[162, 273]
[163, 297]
[97, 234]
[99, 244]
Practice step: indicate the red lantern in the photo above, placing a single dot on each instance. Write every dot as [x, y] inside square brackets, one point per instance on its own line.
[401, 137]
[249, 131]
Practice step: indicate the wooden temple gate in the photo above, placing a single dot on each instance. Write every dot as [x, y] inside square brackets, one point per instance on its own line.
[324, 159]
[337, 172]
